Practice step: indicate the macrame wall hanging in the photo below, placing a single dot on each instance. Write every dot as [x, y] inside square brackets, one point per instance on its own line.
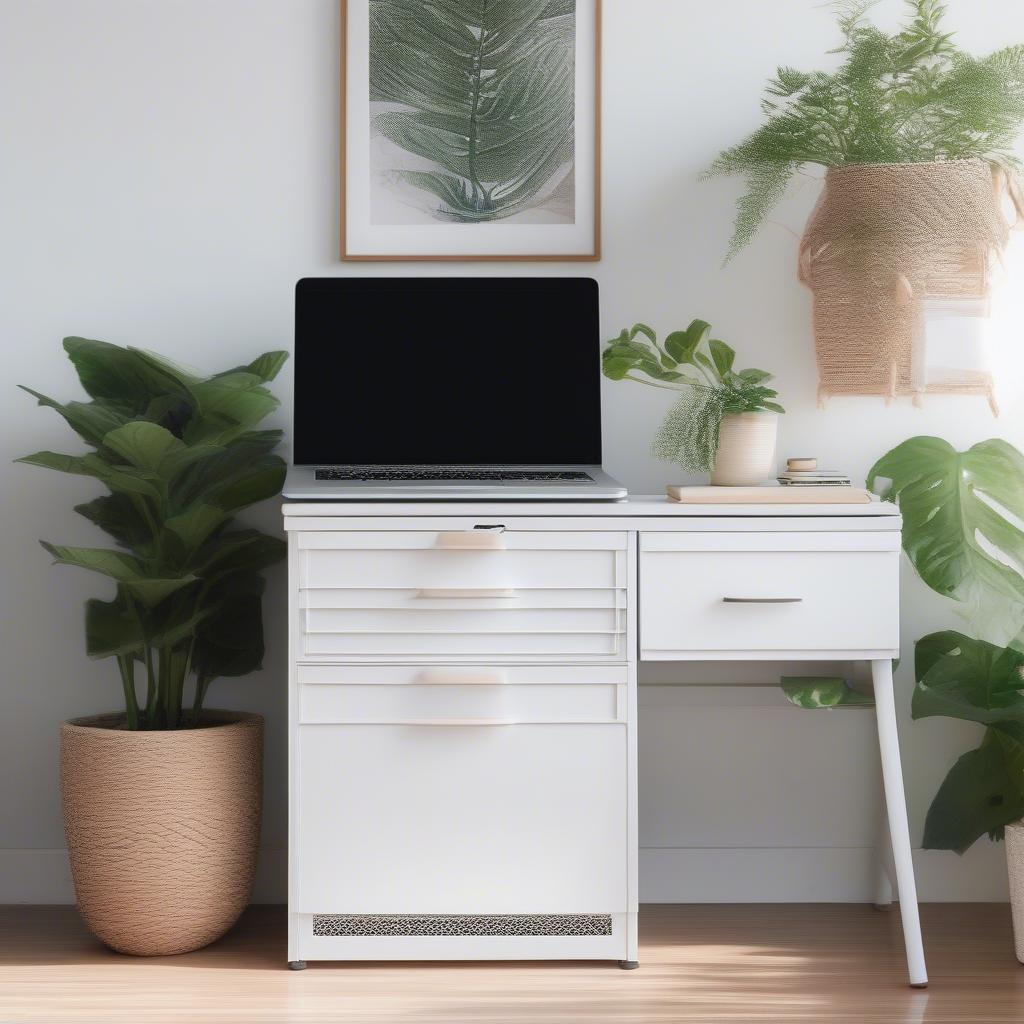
[893, 252]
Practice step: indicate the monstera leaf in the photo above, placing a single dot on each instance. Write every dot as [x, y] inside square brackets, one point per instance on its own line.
[961, 512]
[484, 93]
[960, 677]
[816, 693]
[983, 792]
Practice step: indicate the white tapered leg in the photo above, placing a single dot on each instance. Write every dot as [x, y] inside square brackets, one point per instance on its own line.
[899, 830]
[885, 874]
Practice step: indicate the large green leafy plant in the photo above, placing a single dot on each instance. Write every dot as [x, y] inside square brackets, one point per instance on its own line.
[910, 97]
[701, 369]
[180, 455]
[484, 93]
[962, 514]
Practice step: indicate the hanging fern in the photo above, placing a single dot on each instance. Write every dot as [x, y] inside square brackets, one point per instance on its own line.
[912, 97]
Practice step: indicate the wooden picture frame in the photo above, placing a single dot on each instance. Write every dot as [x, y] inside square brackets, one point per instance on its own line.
[419, 210]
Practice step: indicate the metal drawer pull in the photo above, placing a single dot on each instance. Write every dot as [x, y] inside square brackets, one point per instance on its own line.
[762, 600]
[479, 539]
[460, 593]
[443, 677]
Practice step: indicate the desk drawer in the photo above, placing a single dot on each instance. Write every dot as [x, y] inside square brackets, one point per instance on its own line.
[430, 819]
[408, 594]
[757, 594]
[460, 695]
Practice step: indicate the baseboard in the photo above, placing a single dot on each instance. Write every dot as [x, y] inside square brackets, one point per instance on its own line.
[744, 875]
[813, 875]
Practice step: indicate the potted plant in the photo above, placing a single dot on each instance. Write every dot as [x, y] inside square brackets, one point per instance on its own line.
[916, 138]
[725, 421]
[161, 801]
[962, 514]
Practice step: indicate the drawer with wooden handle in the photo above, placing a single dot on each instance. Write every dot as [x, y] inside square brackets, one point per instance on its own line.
[753, 595]
[404, 594]
[461, 695]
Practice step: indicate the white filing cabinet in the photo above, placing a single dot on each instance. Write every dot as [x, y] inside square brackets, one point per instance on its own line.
[463, 704]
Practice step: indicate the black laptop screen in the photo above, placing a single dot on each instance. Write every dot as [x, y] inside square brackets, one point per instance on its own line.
[447, 371]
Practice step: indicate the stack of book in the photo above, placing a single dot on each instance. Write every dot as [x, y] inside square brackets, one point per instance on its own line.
[805, 473]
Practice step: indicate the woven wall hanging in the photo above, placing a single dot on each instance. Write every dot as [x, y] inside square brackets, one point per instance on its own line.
[886, 244]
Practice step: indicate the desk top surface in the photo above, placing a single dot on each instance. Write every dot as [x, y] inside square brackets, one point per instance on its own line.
[636, 506]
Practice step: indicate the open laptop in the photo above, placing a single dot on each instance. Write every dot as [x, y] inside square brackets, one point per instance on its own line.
[448, 389]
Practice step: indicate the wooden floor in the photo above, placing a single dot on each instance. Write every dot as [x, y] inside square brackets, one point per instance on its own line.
[743, 964]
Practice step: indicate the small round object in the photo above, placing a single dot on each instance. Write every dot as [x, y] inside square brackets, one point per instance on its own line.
[801, 465]
[296, 965]
[629, 965]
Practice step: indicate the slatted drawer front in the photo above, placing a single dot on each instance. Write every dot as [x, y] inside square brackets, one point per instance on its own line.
[763, 593]
[460, 695]
[462, 594]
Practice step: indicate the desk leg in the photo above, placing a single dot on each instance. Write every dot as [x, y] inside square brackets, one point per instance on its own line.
[885, 874]
[899, 830]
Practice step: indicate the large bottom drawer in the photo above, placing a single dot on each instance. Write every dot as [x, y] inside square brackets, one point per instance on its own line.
[462, 819]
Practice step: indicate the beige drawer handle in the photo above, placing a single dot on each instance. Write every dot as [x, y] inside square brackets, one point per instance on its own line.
[762, 600]
[483, 539]
[464, 593]
[460, 723]
[444, 677]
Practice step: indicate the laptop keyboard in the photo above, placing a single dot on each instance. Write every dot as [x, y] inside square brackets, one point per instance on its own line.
[445, 475]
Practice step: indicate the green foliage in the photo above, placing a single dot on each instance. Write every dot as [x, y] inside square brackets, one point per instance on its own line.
[961, 514]
[484, 92]
[816, 693]
[179, 455]
[701, 369]
[911, 97]
[953, 519]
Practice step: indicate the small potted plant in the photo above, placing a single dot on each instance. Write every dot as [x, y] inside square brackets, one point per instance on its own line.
[916, 137]
[725, 422]
[162, 800]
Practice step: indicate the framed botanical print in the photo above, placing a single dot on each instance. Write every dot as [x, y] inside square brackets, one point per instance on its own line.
[470, 130]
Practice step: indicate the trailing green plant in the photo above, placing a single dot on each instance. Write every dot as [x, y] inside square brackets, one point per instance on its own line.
[179, 455]
[910, 97]
[961, 531]
[700, 369]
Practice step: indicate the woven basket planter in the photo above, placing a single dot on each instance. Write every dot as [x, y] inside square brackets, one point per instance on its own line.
[162, 828]
[883, 240]
[1015, 865]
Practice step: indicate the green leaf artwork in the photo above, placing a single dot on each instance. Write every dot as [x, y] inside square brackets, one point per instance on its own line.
[178, 453]
[472, 107]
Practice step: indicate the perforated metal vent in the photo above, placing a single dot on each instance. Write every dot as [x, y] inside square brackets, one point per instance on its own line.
[454, 925]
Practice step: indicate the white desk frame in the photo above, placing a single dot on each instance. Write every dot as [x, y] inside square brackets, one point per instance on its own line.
[804, 535]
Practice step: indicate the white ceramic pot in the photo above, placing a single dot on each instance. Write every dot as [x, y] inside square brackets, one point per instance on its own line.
[746, 449]
[1015, 866]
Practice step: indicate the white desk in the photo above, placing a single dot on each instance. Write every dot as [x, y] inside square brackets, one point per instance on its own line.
[462, 738]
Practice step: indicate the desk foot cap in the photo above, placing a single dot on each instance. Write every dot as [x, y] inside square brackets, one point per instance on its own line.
[919, 984]
[296, 965]
[629, 965]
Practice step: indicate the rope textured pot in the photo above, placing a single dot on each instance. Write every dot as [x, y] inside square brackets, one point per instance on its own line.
[162, 801]
[1015, 866]
[883, 239]
[162, 828]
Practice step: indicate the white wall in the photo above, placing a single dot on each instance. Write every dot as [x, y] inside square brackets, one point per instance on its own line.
[170, 169]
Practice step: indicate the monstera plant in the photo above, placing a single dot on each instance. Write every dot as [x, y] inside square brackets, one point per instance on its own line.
[480, 97]
[962, 515]
[165, 798]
